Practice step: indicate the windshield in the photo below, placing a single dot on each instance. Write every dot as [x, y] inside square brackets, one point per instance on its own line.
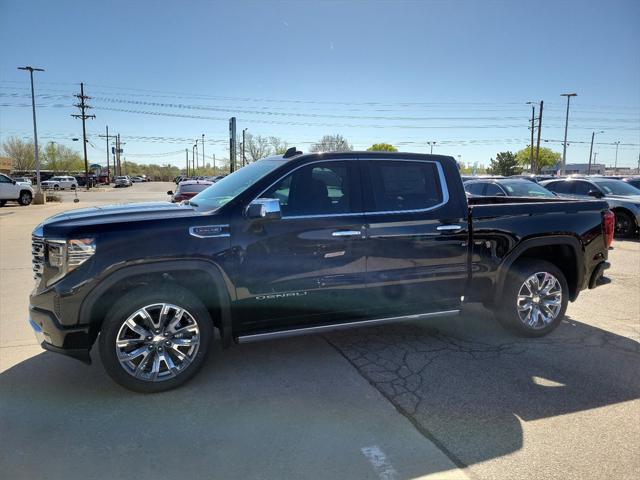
[617, 187]
[233, 185]
[526, 188]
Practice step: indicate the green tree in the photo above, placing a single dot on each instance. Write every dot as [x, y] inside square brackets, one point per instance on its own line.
[20, 152]
[331, 143]
[382, 147]
[548, 158]
[61, 159]
[505, 164]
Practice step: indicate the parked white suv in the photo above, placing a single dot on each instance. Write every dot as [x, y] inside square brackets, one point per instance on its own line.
[10, 190]
[60, 183]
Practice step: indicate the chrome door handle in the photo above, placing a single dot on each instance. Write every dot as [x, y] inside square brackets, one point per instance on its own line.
[347, 233]
[448, 228]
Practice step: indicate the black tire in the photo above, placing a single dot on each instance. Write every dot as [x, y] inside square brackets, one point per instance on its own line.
[122, 311]
[3, 203]
[25, 198]
[510, 315]
[625, 225]
[56, 187]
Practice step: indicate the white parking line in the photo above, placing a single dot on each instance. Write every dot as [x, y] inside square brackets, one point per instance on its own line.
[380, 462]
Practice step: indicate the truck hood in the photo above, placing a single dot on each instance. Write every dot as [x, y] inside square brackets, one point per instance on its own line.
[131, 212]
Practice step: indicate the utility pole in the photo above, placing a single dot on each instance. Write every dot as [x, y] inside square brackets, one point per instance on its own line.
[203, 164]
[197, 156]
[533, 118]
[539, 132]
[244, 159]
[193, 160]
[566, 125]
[186, 151]
[615, 165]
[83, 116]
[39, 197]
[593, 134]
[232, 144]
[118, 165]
[108, 169]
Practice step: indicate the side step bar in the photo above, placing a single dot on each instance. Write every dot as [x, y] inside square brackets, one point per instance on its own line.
[256, 337]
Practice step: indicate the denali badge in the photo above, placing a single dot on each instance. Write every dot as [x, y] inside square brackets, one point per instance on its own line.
[274, 296]
[209, 231]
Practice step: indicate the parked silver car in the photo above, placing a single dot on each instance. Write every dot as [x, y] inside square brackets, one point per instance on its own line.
[123, 181]
[623, 198]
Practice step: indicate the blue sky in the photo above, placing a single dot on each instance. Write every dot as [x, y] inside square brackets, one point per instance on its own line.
[455, 72]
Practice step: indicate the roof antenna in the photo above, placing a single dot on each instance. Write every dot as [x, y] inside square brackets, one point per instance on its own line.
[291, 152]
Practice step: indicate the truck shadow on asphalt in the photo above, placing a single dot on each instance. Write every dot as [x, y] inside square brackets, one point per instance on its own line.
[464, 382]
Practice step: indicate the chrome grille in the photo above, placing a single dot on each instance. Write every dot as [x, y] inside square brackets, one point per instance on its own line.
[37, 257]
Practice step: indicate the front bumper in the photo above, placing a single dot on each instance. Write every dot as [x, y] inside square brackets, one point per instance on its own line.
[73, 342]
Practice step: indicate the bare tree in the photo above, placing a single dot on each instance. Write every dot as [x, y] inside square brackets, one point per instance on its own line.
[20, 152]
[256, 147]
[331, 143]
[279, 146]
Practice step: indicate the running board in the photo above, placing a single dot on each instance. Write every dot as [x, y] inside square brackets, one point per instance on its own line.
[256, 337]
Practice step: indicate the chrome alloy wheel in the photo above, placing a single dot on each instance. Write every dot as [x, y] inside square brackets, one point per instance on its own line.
[157, 342]
[539, 300]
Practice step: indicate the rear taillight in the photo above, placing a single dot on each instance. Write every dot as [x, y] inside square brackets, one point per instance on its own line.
[609, 225]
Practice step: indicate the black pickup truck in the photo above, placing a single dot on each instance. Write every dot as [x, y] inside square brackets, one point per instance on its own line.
[299, 244]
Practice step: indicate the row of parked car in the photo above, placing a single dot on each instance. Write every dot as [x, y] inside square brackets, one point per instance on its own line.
[621, 193]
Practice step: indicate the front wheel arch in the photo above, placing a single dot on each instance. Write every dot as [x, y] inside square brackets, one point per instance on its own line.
[632, 217]
[97, 303]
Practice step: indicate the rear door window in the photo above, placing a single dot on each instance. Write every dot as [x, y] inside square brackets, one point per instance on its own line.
[405, 185]
[494, 190]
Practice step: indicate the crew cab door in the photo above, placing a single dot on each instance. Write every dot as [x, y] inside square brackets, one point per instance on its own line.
[307, 267]
[417, 237]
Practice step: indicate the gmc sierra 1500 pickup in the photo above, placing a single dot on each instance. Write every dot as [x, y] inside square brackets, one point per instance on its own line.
[299, 244]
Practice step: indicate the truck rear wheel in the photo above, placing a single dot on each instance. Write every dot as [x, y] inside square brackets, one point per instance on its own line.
[535, 298]
[155, 339]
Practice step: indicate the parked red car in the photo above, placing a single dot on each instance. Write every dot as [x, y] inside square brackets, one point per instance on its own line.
[188, 189]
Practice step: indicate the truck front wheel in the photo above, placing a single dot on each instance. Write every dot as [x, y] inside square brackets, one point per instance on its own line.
[155, 339]
[535, 298]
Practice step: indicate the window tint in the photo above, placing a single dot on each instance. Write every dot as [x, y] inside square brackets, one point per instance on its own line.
[475, 188]
[583, 188]
[4, 179]
[559, 187]
[196, 187]
[405, 185]
[494, 190]
[316, 189]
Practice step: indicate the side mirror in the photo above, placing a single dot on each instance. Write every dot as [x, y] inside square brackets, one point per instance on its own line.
[170, 192]
[266, 208]
[595, 193]
[13, 181]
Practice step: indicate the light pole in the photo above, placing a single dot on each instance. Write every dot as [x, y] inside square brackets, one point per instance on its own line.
[615, 165]
[203, 165]
[39, 198]
[566, 125]
[593, 134]
[431, 144]
[193, 160]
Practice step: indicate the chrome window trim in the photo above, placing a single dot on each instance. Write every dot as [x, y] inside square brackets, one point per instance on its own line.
[443, 185]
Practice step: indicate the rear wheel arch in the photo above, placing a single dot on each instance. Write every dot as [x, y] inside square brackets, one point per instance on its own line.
[564, 252]
[204, 279]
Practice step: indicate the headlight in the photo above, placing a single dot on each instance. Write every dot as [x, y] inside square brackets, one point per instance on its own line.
[65, 256]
